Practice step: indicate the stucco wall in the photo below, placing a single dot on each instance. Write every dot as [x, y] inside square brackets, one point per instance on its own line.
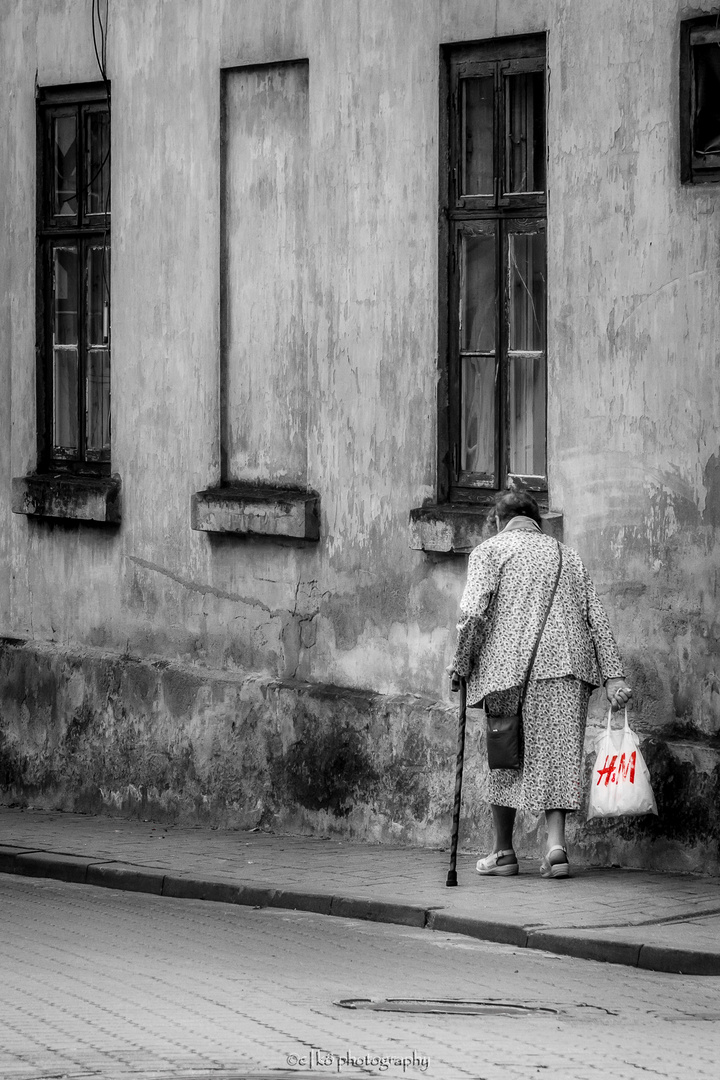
[635, 458]
[634, 451]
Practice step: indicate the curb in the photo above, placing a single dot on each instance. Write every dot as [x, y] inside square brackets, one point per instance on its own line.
[105, 873]
[678, 961]
[504, 933]
[125, 876]
[605, 949]
[378, 911]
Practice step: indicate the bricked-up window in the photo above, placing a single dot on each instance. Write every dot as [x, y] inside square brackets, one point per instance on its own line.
[700, 100]
[74, 278]
[493, 177]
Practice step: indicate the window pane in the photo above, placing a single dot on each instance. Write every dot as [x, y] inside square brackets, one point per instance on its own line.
[527, 415]
[477, 136]
[527, 291]
[65, 399]
[706, 125]
[65, 296]
[97, 150]
[64, 136]
[477, 446]
[477, 287]
[525, 131]
[97, 276]
[97, 382]
[98, 400]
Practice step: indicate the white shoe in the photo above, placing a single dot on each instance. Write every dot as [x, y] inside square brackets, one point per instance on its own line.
[560, 869]
[488, 867]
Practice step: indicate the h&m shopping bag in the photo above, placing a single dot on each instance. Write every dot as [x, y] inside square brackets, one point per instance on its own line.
[620, 782]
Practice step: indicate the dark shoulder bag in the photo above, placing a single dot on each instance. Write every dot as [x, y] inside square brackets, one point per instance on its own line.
[504, 733]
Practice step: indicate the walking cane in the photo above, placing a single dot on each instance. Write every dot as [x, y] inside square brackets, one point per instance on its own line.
[462, 711]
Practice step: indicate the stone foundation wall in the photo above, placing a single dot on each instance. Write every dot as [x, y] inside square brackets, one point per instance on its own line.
[103, 733]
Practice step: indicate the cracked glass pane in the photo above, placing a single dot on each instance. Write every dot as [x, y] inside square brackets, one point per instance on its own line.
[527, 291]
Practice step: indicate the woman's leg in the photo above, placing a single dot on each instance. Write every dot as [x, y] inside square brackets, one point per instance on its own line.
[555, 820]
[495, 865]
[503, 824]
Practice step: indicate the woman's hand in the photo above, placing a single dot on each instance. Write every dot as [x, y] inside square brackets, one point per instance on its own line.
[618, 693]
[454, 679]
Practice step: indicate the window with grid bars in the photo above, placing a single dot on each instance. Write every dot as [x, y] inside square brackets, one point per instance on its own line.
[73, 271]
[493, 175]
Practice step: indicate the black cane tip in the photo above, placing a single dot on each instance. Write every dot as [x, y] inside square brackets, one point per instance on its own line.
[451, 878]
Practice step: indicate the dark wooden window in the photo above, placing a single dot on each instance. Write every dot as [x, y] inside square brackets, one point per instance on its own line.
[493, 266]
[700, 100]
[73, 273]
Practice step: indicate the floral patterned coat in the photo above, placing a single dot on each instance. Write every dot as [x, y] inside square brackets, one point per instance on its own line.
[509, 582]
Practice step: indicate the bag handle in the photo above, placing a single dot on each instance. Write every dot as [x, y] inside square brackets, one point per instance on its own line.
[523, 692]
[609, 726]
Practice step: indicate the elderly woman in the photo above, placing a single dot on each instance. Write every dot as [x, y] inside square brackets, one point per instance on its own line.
[509, 586]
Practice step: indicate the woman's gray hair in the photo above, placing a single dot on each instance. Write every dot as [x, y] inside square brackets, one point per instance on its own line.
[510, 504]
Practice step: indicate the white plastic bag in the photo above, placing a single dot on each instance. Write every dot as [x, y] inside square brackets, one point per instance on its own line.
[620, 782]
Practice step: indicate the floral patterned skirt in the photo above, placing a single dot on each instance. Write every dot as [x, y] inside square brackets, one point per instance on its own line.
[554, 718]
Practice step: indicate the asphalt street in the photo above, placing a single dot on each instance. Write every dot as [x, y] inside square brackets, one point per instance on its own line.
[109, 984]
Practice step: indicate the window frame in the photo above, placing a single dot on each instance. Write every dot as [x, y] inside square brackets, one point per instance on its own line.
[506, 211]
[702, 30]
[82, 230]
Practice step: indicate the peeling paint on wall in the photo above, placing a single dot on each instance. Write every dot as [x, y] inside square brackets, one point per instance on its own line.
[187, 674]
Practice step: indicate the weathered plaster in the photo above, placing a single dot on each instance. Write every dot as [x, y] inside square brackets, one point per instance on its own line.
[634, 414]
[97, 732]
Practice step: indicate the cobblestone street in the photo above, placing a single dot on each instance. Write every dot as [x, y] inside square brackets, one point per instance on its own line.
[117, 985]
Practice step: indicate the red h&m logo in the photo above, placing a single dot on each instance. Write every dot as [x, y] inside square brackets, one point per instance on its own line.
[625, 769]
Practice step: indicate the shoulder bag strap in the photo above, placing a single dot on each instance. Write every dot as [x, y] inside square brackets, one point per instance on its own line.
[542, 627]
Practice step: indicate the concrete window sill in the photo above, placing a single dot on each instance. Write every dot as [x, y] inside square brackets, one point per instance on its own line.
[75, 498]
[455, 529]
[257, 510]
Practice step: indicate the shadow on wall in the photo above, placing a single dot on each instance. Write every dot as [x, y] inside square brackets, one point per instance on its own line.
[325, 769]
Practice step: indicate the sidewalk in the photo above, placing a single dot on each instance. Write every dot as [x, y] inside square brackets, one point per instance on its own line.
[660, 922]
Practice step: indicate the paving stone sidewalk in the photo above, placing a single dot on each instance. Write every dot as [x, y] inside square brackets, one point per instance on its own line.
[661, 922]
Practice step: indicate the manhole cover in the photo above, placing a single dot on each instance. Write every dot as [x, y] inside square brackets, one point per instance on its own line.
[440, 1005]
